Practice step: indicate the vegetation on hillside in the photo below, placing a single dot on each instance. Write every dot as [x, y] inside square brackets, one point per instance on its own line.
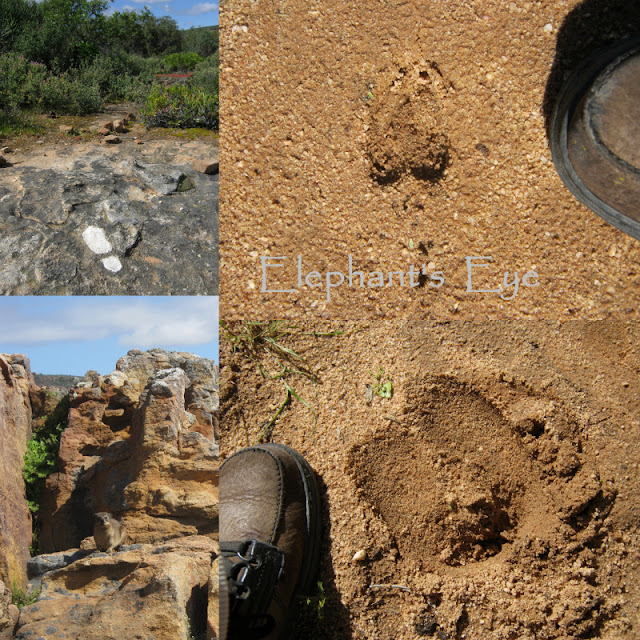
[58, 380]
[70, 57]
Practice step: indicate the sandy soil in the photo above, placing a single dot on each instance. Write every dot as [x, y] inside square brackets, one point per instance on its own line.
[49, 140]
[494, 495]
[410, 133]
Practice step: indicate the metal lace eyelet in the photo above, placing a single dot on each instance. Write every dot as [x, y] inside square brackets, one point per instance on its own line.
[250, 557]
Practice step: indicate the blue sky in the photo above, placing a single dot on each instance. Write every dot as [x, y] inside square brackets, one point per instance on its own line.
[71, 335]
[187, 13]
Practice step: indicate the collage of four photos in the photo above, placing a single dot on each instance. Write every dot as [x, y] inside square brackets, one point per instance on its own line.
[319, 320]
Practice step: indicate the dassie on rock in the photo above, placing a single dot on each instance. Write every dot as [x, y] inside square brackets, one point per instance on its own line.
[108, 532]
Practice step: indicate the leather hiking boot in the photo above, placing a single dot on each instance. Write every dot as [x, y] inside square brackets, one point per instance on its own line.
[269, 540]
[595, 135]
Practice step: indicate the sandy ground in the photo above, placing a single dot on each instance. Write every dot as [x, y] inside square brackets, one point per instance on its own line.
[494, 495]
[410, 134]
[50, 147]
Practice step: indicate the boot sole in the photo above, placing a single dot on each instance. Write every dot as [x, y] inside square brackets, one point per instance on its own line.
[569, 98]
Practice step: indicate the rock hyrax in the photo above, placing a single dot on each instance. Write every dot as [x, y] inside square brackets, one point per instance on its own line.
[108, 532]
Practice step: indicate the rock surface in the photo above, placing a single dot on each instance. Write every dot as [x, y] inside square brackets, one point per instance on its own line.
[157, 213]
[143, 591]
[206, 166]
[213, 606]
[140, 444]
[8, 613]
[16, 381]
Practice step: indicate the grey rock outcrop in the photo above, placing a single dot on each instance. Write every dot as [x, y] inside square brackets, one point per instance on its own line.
[155, 215]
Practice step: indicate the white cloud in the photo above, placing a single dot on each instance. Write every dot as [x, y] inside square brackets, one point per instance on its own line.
[133, 322]
[200, 9]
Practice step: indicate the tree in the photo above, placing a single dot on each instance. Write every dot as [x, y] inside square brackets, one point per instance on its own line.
[17, 17]
[161, 35]
[202, 41]
[125, 32]
[71, 32]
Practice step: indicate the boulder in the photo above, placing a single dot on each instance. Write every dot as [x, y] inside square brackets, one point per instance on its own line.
[161, 178]
[13, 613]
[142, 591]
[202, 393]
[107, 125]
[119, 126]
[206, 166]
[66, 129]
[3, 162]
[16, 382]
[103, 131]
[112, 139]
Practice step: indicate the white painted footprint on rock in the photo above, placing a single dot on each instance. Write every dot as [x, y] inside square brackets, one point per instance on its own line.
[96, 240]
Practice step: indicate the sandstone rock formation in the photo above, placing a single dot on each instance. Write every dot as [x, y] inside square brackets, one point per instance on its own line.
[213, 605]
[140, 444]
[109, 219]
[144, 591]
[16, 382]
[8, 613]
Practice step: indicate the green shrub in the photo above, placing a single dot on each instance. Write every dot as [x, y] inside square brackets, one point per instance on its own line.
[17, 17]
[121, 77]
[205, 75]
[69, 93]
[67, 33]
[20, 82]
[30, 85]
[180, 62]
[182, 106]
[140, 66]
[41, 458]
[21, 598]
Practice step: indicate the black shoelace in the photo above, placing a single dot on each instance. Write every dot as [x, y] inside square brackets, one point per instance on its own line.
[253, 570]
